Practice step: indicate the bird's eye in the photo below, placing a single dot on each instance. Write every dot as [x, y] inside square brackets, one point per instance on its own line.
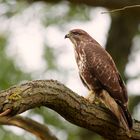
[75, 33]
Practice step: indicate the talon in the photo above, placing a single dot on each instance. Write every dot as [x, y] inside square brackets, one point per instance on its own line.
[96, 102]
[5, 113]
[91, 96]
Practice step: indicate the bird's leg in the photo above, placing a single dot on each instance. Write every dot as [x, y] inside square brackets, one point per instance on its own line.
[92, 97]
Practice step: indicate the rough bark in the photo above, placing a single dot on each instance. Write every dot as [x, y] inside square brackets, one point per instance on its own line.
[68, 104]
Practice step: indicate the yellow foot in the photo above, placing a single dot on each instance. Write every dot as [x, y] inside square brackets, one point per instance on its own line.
[97, 101]
[92, 98]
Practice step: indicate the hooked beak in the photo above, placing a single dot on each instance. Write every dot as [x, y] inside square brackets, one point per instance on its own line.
[67, 36]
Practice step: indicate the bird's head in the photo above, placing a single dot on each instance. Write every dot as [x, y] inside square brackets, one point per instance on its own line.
[77, 36]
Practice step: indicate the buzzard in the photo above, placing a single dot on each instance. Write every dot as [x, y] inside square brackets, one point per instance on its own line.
[99, 74]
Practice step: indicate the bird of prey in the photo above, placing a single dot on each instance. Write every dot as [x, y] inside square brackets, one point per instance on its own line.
[99, 74]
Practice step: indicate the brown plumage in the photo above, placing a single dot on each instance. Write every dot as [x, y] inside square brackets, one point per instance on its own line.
[100, 75]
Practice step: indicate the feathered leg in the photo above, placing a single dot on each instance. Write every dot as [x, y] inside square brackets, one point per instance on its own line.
[92, 97]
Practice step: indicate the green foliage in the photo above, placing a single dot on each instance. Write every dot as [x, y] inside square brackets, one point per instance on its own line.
[13, 7]
[50, 58]
[8, 135]
[62, 13]
[57, 14]
[10, 74]
[55, 120]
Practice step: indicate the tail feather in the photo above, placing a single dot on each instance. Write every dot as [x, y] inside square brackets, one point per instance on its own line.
[118, 109]
[126, 115]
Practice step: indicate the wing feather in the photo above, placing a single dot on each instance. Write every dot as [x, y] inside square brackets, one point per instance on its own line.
[102, 67]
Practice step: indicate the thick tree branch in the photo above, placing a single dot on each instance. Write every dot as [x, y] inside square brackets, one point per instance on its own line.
[104, 3]
[110, 4]
[39, 130]
[68, 104]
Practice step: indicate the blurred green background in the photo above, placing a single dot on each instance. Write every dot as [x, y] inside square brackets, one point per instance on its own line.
[32, 46]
